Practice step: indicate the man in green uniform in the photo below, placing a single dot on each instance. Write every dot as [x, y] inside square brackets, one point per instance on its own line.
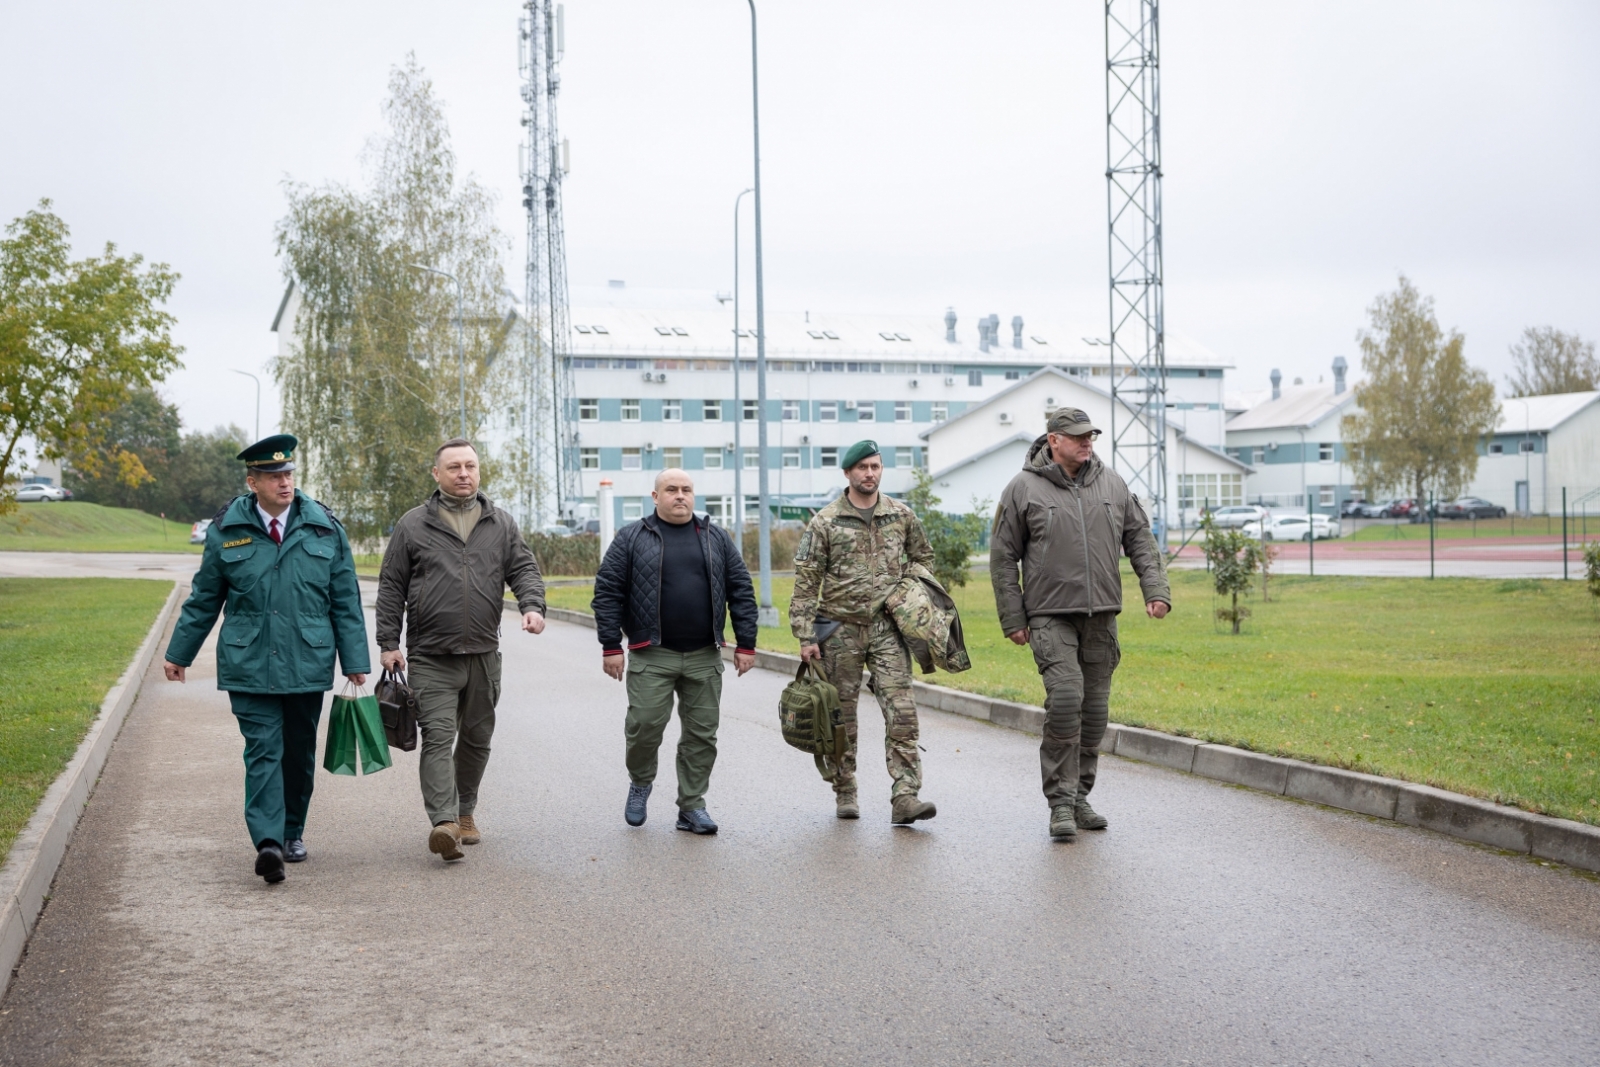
[851, 556]
[277, 566]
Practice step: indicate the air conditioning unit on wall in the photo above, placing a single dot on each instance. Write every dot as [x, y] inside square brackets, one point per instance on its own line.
[1005, 418]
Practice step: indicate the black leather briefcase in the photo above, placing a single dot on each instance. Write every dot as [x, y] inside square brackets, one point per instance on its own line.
[398, 703]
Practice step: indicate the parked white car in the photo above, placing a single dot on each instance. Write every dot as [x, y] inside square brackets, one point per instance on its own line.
[33, 494]
[1239, 515]
[1293, 528]
[197, 532]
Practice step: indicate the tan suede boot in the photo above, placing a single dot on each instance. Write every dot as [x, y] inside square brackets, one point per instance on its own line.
[445, 840]
[469, 831]
[847, 807]
[908, 809]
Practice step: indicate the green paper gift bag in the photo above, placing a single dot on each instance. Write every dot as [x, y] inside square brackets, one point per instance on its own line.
[355, 727]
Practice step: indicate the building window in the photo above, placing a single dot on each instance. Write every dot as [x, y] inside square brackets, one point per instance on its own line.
[902, 411]
[1258, 456]
[904, 457]
[713, 459]
[1497, 449]
[719, 509]
[1011, 376]
[791, 411]
[941, 411]
[632, 507]
[866, 411]
[630, 410]
[671, 457]
[672, 411]
[711, 411]
[1213, 490]
[751, 409]
[829, 458]
[974, 377]
[1325, 452]
[631, 459]
[589, 409]
[791, 459]
[1527, 446]
[589, 459]
[752, 459]
[1325, 496]
[828, 411]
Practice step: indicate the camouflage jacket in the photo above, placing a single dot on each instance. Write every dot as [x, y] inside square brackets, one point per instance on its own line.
[844, 569]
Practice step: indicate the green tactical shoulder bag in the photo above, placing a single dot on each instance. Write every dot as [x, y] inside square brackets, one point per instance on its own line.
[810, 719]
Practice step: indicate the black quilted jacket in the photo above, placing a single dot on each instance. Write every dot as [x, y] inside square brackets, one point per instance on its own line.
[627, 590]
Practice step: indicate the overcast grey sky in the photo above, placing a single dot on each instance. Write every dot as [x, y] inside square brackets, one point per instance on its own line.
[917, 154]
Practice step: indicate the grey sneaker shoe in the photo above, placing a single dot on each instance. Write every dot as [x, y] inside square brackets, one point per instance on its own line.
[908, 809]
[638, 797]
[1086, 817]
[846, 806]
[696, 820]
[1062, 826]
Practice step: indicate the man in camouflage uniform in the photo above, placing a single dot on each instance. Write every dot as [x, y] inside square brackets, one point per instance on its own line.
[851, 555]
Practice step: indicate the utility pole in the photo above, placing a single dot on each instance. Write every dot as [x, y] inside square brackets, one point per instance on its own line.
[738, 397]
[1137, 347]
[768, 615]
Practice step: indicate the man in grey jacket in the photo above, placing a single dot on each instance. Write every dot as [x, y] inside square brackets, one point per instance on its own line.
[1062, 525]
[444, 574]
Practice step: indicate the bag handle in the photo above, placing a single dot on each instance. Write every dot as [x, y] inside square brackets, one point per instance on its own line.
[397, 675]
[815, 669]
[352, 690]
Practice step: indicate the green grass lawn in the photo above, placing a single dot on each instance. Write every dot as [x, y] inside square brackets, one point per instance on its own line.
[1537, 526]
[63, 643]
[73, 526]
[1483, 687]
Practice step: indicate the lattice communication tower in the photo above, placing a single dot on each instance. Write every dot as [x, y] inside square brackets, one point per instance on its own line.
[548, 421]
[1138, 428]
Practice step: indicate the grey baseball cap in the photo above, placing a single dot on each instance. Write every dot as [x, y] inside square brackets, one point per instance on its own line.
[1070, 421]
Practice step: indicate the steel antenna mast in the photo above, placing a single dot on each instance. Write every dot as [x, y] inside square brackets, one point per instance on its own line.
[1137, 344]
[552, 485]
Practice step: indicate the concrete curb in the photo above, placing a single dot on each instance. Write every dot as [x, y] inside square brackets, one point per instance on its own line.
[36, 854]
[1575, 844]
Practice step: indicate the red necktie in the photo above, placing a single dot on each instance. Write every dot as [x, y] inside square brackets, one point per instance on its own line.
[277, 537]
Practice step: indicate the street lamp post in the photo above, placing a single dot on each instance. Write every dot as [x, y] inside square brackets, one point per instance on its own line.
[253, 378]
[738, 399]
[461, 344]
[767, 614]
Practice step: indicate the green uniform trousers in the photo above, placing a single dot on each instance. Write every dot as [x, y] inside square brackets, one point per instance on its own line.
[280, 761]
[654, 675]
[456, 698]
[879, 648]
[1076, 655]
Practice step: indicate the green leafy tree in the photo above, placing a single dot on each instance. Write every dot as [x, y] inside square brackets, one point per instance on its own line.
[1591, 567]
[1234, 557]
[146, 428]
[1549, 361]
[371, 387]
[954, 537]
[204, 475]
[76, 338]
[1423, 407]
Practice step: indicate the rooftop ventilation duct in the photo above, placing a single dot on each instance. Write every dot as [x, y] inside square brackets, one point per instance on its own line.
[1016, 331]
[1339, 368]
[1277, 383]
[950, 325]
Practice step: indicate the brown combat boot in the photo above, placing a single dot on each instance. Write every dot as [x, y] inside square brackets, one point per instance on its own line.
[908, 809]
[847, 807]
[469, 831]
[445, 840]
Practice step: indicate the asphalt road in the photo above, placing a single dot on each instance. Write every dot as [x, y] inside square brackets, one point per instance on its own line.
[1210, 925]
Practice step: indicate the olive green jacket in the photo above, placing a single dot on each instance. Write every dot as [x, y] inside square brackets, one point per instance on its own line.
[286, 608]
[844, 570]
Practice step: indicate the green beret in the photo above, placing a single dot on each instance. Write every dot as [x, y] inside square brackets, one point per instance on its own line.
[858, 452]
[271, 454]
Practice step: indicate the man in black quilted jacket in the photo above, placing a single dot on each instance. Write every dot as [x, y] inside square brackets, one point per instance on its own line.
[667, 583]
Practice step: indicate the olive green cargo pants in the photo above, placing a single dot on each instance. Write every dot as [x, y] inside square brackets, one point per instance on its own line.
[654, 676]
[1076, 655]
[879, 648]
[456, 698]
[280, 761]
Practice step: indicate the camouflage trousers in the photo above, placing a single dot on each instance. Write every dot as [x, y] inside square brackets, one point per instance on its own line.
[1076, 655]
[879, 648]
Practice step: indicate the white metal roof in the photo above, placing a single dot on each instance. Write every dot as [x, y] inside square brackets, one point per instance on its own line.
[1537, 414]
[1299, 405]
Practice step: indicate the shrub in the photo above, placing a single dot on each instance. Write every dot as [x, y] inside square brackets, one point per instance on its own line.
[576, 556]
[785, 540]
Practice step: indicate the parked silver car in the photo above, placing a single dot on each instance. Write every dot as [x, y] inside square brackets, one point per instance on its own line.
[40, 494]
[1238, 515]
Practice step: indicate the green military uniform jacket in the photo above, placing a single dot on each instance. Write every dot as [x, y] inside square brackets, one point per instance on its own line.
[286, 608]
[844, 569]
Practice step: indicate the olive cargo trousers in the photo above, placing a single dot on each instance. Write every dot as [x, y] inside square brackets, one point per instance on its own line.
[879, 648]
[456, 698]
[280, 761]
[654, 675]
[1076, 655]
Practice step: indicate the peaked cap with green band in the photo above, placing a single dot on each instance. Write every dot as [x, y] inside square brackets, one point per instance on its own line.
[271, 454]
[858, 452]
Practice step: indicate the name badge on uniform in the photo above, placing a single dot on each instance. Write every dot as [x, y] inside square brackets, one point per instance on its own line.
[236, 544]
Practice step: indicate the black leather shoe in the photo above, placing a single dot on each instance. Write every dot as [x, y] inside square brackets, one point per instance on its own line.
[638, 797]
[697, 821]
[269, 862]
[294, 851]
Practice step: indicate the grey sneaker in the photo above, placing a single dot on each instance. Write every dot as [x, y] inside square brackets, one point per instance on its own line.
[1062, 826]
[1086, 817]
[696, 820]
[638, 797]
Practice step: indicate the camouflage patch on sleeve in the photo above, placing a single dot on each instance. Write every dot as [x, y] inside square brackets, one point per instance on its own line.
[803, 552]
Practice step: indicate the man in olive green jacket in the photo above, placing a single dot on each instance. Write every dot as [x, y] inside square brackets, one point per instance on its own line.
[278, 566]
[1062, 526]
